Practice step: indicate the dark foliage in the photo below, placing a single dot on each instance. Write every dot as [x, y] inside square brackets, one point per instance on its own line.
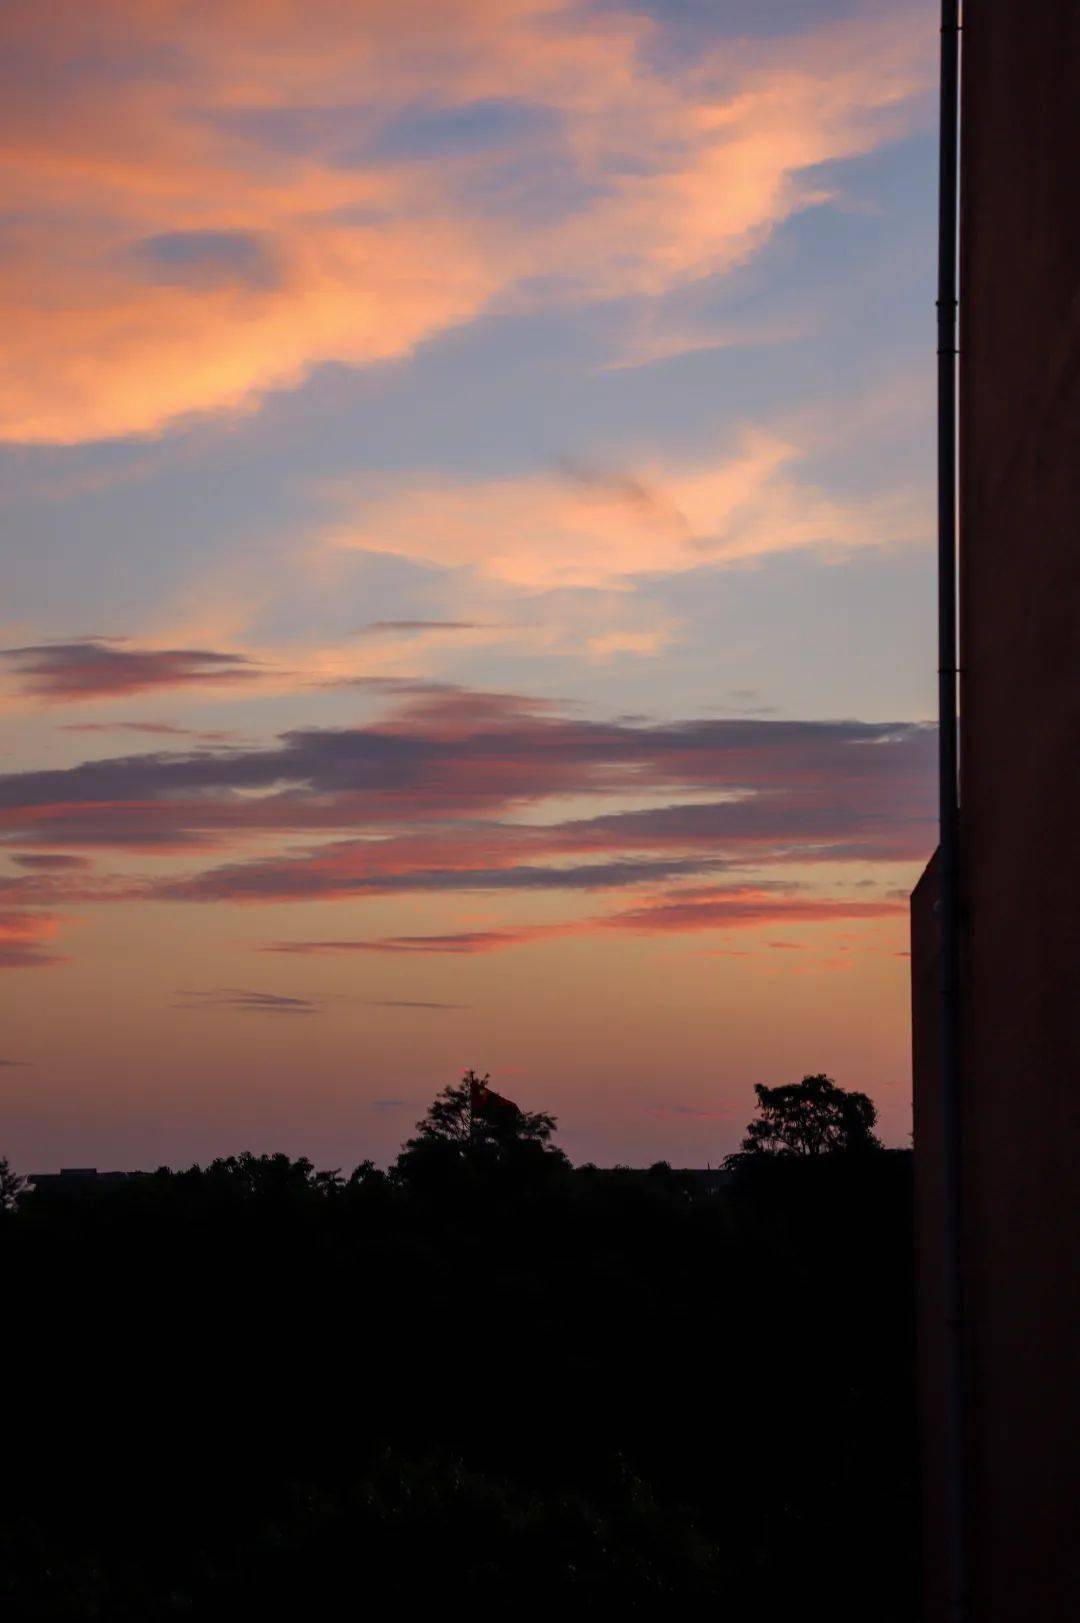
[811, 1117]
[256, 1390]
[473, 1138]
[11, 1186]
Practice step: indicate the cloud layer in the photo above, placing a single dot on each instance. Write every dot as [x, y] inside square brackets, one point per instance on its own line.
[455, 792]
[841, 789]
[729, 907]
[203, 204]
[368, 367]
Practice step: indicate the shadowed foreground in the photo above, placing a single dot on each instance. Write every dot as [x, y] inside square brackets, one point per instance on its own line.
[254, 1391]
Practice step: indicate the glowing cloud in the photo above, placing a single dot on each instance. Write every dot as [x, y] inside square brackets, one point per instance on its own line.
[589, 526]
[21, 938]
[202, 204]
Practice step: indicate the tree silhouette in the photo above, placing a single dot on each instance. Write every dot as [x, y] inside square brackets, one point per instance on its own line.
[469, 1125]
[264, 1177]
[471, 1113]
[563, 1453]
[811, 1117]
[10, 1186]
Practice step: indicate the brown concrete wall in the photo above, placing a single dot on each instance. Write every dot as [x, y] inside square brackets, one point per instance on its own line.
[929, 1222]
[1020, 747]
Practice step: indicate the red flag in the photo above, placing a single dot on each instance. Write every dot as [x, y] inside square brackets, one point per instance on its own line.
[484, 1101]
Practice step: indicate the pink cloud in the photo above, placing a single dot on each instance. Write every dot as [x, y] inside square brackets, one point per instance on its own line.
[433, 796]
[462, 943]
[203, 204]
[729, 907]
[22, 938]
[736, 907]
[153, 729]
[580, 526]
[445, 796]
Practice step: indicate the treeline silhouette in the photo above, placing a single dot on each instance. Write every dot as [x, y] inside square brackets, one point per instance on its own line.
[483, 1378]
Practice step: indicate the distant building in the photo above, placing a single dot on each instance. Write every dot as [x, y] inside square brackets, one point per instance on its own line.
[1019, 858]
[72, 1178]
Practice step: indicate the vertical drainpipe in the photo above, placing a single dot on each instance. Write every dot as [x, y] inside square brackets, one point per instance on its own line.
[955, 1396]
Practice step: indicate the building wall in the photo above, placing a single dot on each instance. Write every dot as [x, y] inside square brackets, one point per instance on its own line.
[1020, 818]
[930, 1256]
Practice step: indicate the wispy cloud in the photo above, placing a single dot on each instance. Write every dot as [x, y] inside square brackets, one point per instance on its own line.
[734, 907]
[730, 907]
[202, 207]
[433, 797]
[269, 882]
[585, 526]
[410, 1003]
[153, 729]
[23, 937]
[837, 791]
[249, 1002]
[63, 672]
[382, 628]
[460, 943]
[50, 861]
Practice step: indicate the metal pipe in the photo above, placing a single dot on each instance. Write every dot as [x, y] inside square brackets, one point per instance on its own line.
[955, 1395]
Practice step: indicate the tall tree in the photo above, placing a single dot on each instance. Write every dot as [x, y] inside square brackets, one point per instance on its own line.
[811, 1117]
[470, 1125]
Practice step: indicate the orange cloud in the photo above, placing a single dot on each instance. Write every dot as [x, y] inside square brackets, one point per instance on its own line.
[737, 907]
[461, 943]
[584, 526]
[202, 204]
[729, 907]
[21, 938]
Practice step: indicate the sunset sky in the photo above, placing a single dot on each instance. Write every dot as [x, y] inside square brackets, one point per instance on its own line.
[467, 503]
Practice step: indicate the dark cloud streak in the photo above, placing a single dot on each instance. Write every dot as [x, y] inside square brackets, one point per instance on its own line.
[96, 668]
[50, 861]
[249, 1002]
[439, 797]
